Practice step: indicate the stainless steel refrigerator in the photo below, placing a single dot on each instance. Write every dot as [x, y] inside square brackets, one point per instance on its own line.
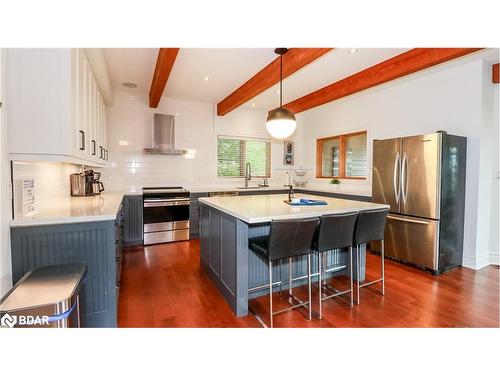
[422, 178]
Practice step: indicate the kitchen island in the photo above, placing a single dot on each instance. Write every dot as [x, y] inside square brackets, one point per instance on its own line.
[226, 224]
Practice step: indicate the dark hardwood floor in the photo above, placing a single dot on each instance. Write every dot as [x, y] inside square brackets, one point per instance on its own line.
[164, 286]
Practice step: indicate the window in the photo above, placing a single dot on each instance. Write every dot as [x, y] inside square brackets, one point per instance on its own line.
[342, 156]
[234, 153]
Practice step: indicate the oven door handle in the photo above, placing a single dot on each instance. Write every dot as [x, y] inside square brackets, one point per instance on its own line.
[152, 200]
[165, 203]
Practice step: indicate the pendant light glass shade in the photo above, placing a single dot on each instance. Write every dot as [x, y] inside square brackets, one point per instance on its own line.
[280, 123]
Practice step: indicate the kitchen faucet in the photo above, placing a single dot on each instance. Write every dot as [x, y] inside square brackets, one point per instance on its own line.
[248, 174]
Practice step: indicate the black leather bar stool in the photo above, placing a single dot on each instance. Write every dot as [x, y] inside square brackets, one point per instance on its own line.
[286, 239]
[370, 226]
[334, 232]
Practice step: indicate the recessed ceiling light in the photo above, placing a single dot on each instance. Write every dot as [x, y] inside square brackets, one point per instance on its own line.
[353, 50]
[253, 104]
[130, 85]
[206, 78]
[277, 91]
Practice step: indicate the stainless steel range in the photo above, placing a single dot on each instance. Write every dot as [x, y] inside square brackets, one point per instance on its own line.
[166, 214]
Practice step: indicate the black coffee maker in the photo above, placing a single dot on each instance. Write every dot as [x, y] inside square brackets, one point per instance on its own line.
[97, 186]
[86, 183]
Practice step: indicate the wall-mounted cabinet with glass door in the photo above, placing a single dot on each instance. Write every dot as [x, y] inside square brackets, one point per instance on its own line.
[342, 156]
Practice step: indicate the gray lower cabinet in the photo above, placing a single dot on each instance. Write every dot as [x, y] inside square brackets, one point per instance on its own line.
[98, 244]
[194, 214]
[133, 225]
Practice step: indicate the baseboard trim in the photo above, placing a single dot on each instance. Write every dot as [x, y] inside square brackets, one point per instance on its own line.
[132, 243]
[481, 262]
[494, 259]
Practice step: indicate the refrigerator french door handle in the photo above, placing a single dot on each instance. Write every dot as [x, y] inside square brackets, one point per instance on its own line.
[395, 178]
[404, 178]
[414, 221]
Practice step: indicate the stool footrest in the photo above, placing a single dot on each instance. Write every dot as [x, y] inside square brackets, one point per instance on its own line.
[371, 282]
[290, 308]
[336, 294]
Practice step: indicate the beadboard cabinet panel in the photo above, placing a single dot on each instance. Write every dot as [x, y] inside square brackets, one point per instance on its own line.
[133, 223]
[93, 243]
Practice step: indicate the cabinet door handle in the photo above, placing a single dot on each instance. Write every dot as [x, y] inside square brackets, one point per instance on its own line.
[106, 155]
[82, 140]
[101, 152]
[93, 147]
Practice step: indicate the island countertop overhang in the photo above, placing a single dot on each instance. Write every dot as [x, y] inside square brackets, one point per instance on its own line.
[255, 209]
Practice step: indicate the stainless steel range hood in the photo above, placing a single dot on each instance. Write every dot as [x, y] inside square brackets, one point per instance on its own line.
[163, 142]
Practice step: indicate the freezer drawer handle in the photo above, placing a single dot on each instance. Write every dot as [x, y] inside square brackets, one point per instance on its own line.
[414, 221]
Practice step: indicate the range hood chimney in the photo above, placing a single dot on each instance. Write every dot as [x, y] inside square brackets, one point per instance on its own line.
[163, 142]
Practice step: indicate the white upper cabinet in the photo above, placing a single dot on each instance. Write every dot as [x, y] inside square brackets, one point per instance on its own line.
[54, 108]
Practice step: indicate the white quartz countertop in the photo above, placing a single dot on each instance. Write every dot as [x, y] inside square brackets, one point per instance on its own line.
[66, 210]
[264, 208]
[309, 188]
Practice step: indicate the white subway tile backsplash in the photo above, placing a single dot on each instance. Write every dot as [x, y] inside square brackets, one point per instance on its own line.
[197, 127]
[51, 179]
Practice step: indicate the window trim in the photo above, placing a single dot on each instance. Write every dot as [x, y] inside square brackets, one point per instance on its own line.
[342, 162]
[245, 138]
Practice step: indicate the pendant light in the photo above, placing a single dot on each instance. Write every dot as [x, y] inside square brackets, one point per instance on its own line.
[281, 122]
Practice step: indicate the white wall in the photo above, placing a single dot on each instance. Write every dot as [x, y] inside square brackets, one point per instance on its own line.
[495, 224]
[451, 99]
[487, 223]
[5, 206]
[197, 126]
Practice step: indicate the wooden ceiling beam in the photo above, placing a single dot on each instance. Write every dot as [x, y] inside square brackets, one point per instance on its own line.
[293, 60]
[164, 63]
[401, 65]
[495, 73]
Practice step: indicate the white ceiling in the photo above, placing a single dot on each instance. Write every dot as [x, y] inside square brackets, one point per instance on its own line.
[329, 68]
[227, 69]
[135, 65]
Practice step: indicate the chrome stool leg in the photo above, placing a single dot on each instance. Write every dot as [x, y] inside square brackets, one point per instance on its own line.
[290, 275]
[281, 278]
[350, 271]
[383, 270]
[309, 284]
[293, 306]
[358, 272]
[271, 293]
[320, 271]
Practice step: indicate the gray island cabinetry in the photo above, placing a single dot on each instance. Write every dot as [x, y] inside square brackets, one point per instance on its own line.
[226, 224]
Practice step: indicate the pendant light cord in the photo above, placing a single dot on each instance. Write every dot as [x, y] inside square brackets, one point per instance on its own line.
[281, 81]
